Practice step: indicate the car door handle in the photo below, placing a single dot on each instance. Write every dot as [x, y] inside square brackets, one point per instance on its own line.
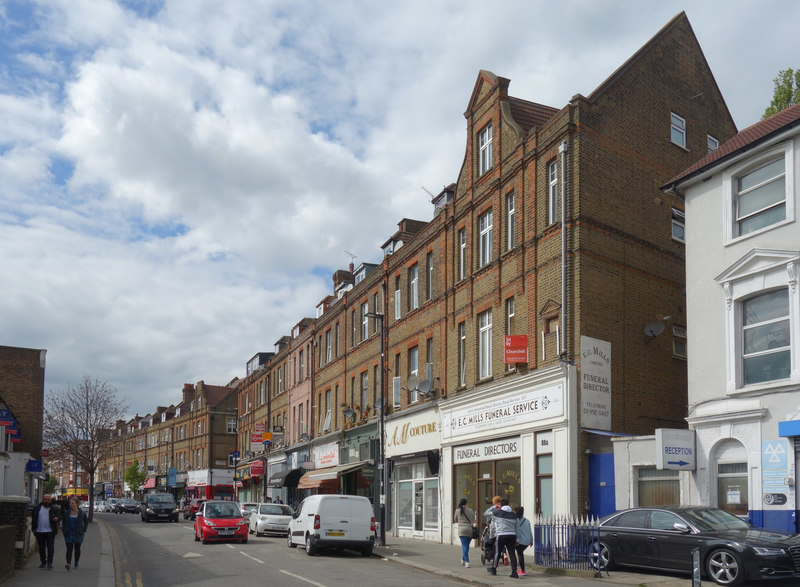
[651, 538]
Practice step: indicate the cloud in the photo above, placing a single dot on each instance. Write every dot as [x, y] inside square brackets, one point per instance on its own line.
[180, 178]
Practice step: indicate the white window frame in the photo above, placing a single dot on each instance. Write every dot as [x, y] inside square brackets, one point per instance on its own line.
[413, 287]
[485, 344]
[328, 347]
[774, 270]
[510, 217]
[510, 313]
[462, 354]
[230, 425]
[398, 311]
[429, 266]
[364, 321]
[713, 143]
[413, 369]
[552, 192]
[677, 130]
[485, 160]
[462, 254]
[485, 229]
[679, 343]
[678, 225]
[729, 187]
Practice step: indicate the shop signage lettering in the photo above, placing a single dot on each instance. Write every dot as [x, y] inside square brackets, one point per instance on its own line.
[546, 402]
[402, 433]
[595, 383]
[486, 451]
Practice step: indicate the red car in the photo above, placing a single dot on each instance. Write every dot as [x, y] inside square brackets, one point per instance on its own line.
[220, 520]
[190, 511]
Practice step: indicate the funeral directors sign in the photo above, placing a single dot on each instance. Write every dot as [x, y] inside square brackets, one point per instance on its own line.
[521, 408]
[595, 383]
[487, 451]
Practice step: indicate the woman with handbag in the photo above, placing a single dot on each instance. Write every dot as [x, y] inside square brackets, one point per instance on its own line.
[465, 518]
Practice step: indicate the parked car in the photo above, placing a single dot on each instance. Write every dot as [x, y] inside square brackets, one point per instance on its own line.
[247, 509]
[218, 520]
[159, 506]
[190, 511]
[109, 504]
[333, 521]
[270, 518]
[100, 505]
[126, 506]
[731, 550]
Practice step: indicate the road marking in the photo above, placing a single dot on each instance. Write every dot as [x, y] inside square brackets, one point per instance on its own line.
[253, 558]
[192, 555]
[229, 546]
[128, 582]
[302, 578]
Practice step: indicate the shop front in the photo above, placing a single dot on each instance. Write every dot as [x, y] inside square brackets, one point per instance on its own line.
[285, 475]
[412, 449]
[512, 442]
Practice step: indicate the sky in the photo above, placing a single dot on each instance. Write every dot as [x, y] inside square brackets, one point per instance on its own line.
[180, 179]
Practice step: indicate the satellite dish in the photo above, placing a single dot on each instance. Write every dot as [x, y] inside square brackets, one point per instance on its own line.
[304, 437]
[654, 329]
[425, 386]
[412, 382]
[348, 413]
[379, 403]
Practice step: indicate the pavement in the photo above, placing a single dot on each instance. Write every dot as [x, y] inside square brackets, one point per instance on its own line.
[97, 566]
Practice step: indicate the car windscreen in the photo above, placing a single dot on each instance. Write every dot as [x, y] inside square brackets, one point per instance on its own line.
[160, 499]
[275, 509]
[711, 520]
[223, 510]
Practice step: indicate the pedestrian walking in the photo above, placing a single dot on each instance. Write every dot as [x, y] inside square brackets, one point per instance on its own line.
[524, 538]
[505, 522]
[74, 526]
[44, 521]
[465, 518]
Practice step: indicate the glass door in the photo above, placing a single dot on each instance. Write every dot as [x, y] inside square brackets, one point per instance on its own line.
[419, 498]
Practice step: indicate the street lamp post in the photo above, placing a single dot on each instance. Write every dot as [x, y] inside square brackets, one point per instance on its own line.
[381, 443]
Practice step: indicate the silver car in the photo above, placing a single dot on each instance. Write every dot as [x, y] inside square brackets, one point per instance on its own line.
[270, 518]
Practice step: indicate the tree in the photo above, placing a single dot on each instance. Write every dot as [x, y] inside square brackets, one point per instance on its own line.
[77, 425]
[134, 477]
[787, 91]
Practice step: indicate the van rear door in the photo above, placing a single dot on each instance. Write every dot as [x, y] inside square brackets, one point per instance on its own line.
[334, 518]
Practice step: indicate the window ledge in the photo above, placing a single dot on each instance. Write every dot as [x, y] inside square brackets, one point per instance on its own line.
[680, 146]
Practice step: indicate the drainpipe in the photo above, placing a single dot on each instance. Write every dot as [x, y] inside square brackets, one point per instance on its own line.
[562, 148]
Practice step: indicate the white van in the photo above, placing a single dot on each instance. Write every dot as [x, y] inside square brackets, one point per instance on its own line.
[333, 521]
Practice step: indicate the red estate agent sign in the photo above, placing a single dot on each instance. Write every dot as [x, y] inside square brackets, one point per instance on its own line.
[516, 348]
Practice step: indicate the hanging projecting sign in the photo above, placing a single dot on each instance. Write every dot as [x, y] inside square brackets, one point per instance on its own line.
[595, 383]
[675, 449]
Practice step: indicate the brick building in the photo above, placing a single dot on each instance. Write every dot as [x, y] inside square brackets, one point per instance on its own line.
[185, 449]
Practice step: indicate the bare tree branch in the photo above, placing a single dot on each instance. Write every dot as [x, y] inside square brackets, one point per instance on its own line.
[78, 422]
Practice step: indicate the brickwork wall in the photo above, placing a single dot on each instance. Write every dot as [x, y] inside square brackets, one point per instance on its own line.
[22, 373]
[14, 525]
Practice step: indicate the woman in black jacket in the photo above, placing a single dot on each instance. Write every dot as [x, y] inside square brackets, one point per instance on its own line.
[74, 527]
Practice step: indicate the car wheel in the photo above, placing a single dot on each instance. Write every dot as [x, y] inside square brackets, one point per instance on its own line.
[601, 556]
[196, 538]
[250, 531]
[311, 550]
[244, 541]
[366, 551]
[725, 567]
[289, 542]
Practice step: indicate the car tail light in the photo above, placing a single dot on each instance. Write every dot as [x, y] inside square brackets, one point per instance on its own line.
[316, 522]
[372, 524]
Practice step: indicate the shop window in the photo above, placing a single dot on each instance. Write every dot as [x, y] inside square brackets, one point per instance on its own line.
[544, 485]
[658, 487]
[732, 494]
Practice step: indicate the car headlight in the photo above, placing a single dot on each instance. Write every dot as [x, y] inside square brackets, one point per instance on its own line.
[208, 522]
[768, 551]
[241, 523]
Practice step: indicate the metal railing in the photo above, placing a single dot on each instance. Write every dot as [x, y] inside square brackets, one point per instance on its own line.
[566, 542]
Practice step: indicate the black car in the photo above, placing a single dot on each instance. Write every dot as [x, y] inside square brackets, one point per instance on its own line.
[159, 506]
[731, 550]
[126, 506]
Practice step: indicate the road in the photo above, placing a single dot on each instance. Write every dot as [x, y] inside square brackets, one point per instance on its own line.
[147, 555]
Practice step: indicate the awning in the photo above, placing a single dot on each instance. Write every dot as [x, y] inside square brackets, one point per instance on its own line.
[287, 478]
[328, 477]
[149, 483]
